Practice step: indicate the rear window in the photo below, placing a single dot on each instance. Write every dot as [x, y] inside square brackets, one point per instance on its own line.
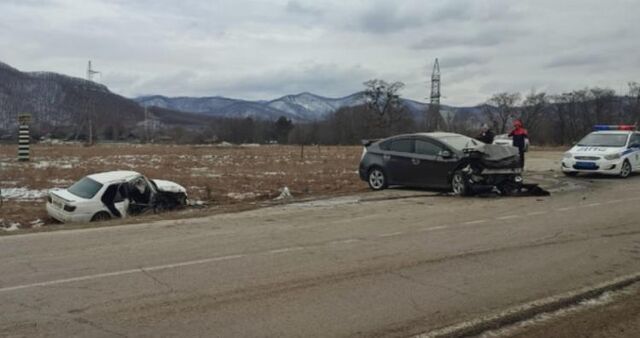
[85, 188]
[402, 146]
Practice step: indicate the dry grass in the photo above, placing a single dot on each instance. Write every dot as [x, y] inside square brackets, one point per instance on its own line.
[216, 175]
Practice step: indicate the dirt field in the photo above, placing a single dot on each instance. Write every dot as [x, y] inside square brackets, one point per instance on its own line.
[219, 177]
[215, 175]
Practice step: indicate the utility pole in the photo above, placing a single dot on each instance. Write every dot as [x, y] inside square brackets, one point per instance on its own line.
[433, 119]
[90, 73]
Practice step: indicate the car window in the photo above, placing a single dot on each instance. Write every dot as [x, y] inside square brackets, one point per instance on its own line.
[402, 146]
[604, 140]
[85, 188]
[385, 145]
[427, 148]
[635, 140]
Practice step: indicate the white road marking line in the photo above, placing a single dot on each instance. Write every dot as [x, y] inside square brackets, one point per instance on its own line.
[592, 205]
[391, 234]
[566, 209]
[536, 213]
[433, 228]
[283, 250]
[475, 222]
[507, 217]
[121, 273]
[346, 241]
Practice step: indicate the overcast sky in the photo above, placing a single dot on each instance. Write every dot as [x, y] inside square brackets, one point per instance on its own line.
[263, 49]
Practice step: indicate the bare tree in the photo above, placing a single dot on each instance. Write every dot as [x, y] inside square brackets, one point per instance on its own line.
[501, 109]
[534, 107]
[383, 99]
[634, 96]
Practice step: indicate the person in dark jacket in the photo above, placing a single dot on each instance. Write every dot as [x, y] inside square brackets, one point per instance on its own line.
[519, 136]
[486, 135]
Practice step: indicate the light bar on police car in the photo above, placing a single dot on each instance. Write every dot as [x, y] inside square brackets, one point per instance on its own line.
[604, 127]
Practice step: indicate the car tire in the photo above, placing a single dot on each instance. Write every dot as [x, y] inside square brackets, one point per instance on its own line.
[570, 173]
[626, 169]
[377, 179]
[101, 216]
[459, 184]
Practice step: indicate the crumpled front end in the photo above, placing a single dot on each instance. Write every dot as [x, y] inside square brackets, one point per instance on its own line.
[495, 169]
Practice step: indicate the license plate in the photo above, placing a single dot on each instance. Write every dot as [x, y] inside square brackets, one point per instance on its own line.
[586, 165]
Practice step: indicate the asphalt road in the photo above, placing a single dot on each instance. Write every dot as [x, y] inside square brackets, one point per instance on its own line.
[385, 264]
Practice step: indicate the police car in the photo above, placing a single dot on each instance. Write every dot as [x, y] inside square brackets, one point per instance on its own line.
[611, 150]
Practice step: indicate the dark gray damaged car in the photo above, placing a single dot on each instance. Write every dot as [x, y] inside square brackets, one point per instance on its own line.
[441, 161]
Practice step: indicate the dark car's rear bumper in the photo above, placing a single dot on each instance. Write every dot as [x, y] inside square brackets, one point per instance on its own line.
[362, 172]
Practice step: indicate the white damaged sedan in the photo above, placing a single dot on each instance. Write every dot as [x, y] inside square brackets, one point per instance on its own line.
[113, 194]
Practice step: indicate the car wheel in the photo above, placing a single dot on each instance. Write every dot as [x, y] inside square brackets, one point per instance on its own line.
[459, 184]
[377, 179]
[101, 216]
[570, 173]
[625, 171]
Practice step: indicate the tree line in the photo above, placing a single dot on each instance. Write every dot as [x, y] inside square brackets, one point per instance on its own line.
[552, 119]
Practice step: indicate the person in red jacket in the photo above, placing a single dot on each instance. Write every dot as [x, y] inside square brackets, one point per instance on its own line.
[519, 136]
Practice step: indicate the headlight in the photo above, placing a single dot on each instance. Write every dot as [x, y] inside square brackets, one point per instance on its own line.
[568, 155]
[612, 157]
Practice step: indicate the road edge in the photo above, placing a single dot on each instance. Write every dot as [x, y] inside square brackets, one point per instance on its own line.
[529, 310]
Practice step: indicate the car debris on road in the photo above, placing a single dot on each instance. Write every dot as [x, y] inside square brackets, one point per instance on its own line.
[113, 194]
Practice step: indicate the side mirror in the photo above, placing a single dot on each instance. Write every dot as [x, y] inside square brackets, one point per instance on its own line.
[446, 154]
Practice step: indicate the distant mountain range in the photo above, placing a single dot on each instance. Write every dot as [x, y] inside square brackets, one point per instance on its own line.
[67, 106]
[62, 102]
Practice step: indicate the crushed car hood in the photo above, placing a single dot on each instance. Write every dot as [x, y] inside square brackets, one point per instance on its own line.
[168, 186]
[494, 152]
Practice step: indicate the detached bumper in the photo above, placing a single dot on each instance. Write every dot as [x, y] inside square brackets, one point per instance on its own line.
[601, 166]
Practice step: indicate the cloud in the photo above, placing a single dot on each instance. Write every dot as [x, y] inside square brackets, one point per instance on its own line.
[297, 8]
[269, 48]
[577, 60]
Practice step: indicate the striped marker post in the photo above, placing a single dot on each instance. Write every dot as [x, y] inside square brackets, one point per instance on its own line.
[23, 137]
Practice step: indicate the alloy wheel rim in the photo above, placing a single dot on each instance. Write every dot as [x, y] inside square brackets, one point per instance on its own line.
[457, 184]
[376, 179]
[626, 169]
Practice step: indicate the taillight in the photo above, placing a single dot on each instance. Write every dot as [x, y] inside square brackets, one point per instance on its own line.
[69, 208]
[364, 152]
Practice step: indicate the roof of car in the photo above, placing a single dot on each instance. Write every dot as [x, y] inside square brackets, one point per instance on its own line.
[436, 134]
[113, 176]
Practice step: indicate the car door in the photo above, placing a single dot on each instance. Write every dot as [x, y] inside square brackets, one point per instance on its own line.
[432, 163]
[114, 200]
[121, 201]
[397, 161]
[634, 146]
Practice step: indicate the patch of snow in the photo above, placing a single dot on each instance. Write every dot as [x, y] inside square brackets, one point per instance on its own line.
[37, 223]
[22, 194]
[284, 194]
[249, 145]
[12, 227]
[242, 195]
